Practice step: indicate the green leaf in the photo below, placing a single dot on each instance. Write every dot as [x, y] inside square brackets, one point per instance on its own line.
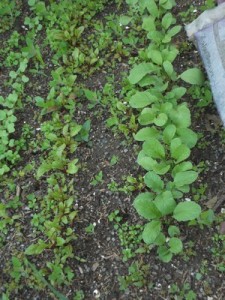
[188, 137]
[151, 231]
[168, 67]
[193, 76]
[173, 31]
[35, 249]
[185, 178]
[167, 20]
[44, 168]
[145, 207]
[176, 245]
[155, 56]
[147, 116]
[145, 161]
[2, 115]
[152, 8]
[164, 254]
[178, 150]
[72, 167]
[146, 133]
[142, 99]
[173, 230]
[184, 166]
[148, 24]
[161, 119]
[139, 71]
[181, 116]
[186, 211]
[125, 20]
[154, 148]
[154, 182]
[165, 203]
[169, 133]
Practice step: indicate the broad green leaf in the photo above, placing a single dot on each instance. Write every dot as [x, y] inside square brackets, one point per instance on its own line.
[178, 150]
[176, 245]
[167, 20]
[149, 24]
[154, 182]
[146, 133]
[193, 76]
[125, 20]
[181, 116]
[161, 168]
[165, 203]
[188, 137]
[161, 119]
[74, 130]
[164, 254]
[146, 162]
[147, 116]
[154, 148]
[169, 133]
[184, 166]
[187, 211]
[179, 92]
[142, 99]
[131, 2]
[151, 231]
[145, 207]
[139, 71]
[185, 178]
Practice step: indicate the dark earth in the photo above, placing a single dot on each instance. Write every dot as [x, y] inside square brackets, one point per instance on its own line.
[98, 275]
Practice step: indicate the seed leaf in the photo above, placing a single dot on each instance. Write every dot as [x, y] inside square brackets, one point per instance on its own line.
[176, 245]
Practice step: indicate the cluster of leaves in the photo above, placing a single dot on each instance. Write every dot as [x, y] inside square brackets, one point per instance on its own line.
[165, 133]
[9, 11]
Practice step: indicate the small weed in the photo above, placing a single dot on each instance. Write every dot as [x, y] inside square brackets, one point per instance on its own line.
[98, 179]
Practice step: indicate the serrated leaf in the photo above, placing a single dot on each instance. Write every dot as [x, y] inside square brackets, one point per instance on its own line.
[176, 245]
[165, 203]
[145, 207]
[35, 249]
[139, 71]
[154, 182]
[72, 167]
[151, 231]
[154, 148]
[142, 99]
[185, 178]
[187, 211]
[193, 76]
